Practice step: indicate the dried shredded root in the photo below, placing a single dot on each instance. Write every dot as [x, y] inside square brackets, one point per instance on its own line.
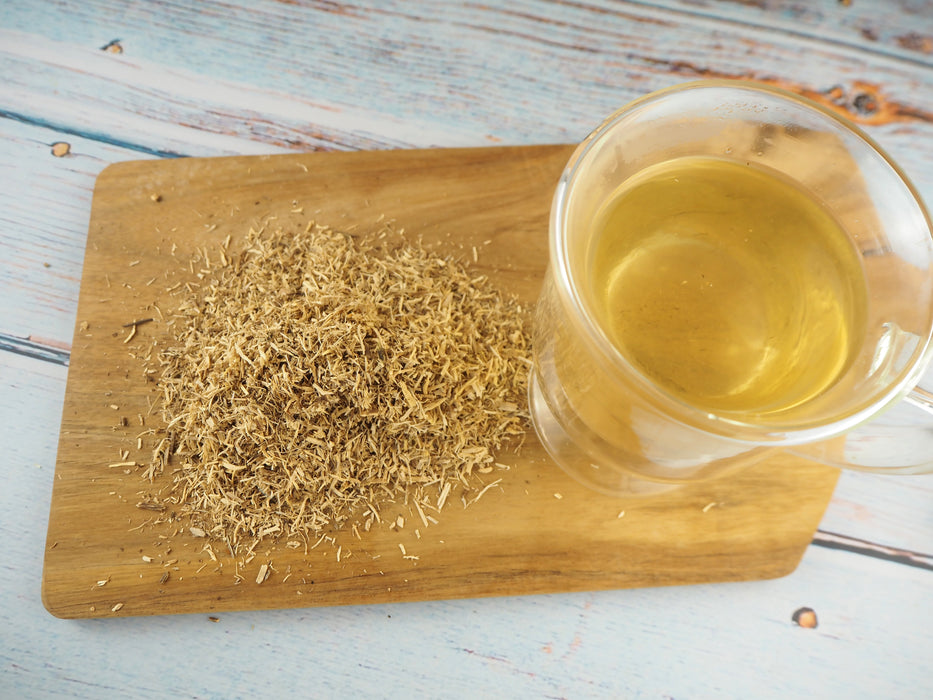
[316, 376]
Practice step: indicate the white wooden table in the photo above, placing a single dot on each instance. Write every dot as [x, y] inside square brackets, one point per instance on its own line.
[89, 83]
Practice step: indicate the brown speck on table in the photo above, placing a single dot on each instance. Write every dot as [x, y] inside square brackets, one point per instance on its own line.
[60, 149]
[805, 617]
[916, 42]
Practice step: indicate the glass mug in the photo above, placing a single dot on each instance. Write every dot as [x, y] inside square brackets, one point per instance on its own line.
[733, 270]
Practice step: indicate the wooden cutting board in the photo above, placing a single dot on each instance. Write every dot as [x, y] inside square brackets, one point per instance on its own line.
[537, 531]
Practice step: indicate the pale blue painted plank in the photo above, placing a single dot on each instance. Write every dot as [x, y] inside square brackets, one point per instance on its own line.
[897, 28]
[44, 212]
[525, 72]
[891, 510]
[42, 209]
[421, 74]
[727, 640]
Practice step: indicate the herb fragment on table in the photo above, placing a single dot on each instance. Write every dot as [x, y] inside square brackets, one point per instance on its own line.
[150, 506]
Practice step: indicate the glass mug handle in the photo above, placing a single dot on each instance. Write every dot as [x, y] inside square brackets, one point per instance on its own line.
[921, 398]
[898, 441]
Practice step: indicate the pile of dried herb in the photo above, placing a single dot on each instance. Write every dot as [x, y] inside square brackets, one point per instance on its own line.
[316, 376]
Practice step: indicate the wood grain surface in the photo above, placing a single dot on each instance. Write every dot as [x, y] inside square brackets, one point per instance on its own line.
[90, 83]
[535, 532]
[402, 75]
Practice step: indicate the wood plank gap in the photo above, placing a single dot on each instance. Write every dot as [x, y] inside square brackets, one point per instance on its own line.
[834, 540]
[35, 349]
[89, 135]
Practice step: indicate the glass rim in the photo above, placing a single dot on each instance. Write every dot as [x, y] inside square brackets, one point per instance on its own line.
[724, 424]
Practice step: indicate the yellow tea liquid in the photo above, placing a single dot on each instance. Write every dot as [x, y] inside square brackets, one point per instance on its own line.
[727, 286]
